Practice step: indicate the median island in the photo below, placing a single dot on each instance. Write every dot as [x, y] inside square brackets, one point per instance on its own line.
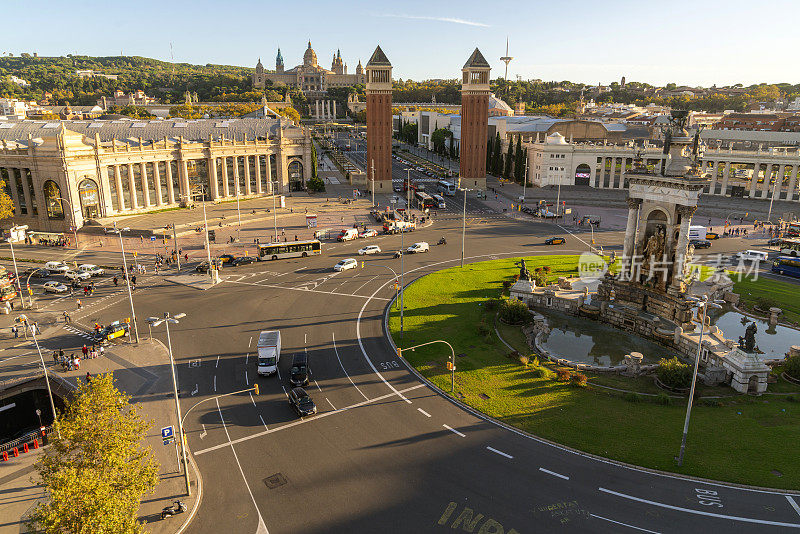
[733, 437]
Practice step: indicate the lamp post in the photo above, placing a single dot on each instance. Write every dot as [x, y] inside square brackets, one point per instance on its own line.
[208, 243]
[373, 183]
[463, 222]
[452, 359]
[274, 183]
[74, 222]
[154, 321]
[24, 320]
[701, 303]
[16, 271]
[127, 278]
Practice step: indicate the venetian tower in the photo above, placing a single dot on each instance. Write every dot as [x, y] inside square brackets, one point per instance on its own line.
[379, 121]
[474, 121]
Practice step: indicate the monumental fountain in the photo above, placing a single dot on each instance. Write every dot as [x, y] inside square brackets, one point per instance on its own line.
[648, 293]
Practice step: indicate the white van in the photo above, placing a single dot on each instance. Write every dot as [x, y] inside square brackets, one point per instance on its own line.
[269, 352]
[92, 269]
[751, 255]
[348, 235]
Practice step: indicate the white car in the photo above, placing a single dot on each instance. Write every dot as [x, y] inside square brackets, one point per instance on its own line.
[422, 246]
[368, 233]
[92, 269]
[752, 255]
[55, 287]
[56, 266]
[77, 275]
[369, 249]
[347, 263]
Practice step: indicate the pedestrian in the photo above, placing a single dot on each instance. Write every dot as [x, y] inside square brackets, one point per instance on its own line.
[186, 257]
[133, 279]
[116, 282]
[67, 318]
[77, 362]
[88, 376]
[102, 350]
[15, 331]
[85, 290]
[55, 356]
[12, 305]
[85, 350]
[79, 304]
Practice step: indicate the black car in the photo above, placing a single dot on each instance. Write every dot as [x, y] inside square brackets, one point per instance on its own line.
[298, 374]
[35, 273]
[243, 260]
[700, 243]
[202, 268]
[774, 242]
[301, 402]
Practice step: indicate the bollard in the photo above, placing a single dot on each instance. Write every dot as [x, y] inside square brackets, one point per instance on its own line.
[35, 443]
[24, 447]
[15, 451]
[5, 456]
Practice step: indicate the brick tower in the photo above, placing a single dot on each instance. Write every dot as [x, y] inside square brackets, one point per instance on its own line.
[474, 121]
[379, 121]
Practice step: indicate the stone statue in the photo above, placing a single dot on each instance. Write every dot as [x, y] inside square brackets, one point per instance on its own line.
[524, 273]
[748, 342]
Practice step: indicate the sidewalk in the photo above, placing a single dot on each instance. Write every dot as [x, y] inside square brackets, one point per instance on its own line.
[142, 372]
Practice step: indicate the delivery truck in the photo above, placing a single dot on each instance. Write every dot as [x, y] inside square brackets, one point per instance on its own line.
[269, 352]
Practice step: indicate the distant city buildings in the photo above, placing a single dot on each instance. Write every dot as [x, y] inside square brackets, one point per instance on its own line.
[88, 73]
[121, 99]
[19, 81]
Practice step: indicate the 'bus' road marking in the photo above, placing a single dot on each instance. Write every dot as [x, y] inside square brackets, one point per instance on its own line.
[701, 512]
[307, 420]
[793, 503]
[624, 524]
[543, 470]
[501, 453]
[454, 431]
[423, 412]
[342, 366]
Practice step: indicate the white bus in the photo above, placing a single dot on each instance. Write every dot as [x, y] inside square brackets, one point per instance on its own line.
[446, 188]
[790, 247]
[290, 249]
[439, 201]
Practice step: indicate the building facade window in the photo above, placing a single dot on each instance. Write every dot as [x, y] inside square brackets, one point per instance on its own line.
[17, 177]
[150, 183]
[138, 182]
[229, 165]
[241, 162]
[175, 177]
[295, 175]
[262, 162]
[220, 176]
[89, 194]
[29, 181]
[164, 179]
[198, 179]
[52, 200]
[112, 187]
[251, 163]
[126, 186]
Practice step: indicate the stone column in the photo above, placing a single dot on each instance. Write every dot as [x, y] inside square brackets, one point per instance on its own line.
[170, 187]
[792, 182]
[283, 171]
[754, 179]
[628, 245]
[259, 186]
[270, 185]
[157, 184]
[316, 109]
[682, 248]
[120, 195]
[225, 187]
[765, 186]
[145, 184]
[712, 185]
[132, 187]
[183, 179]
[726, 174]
[602, 175]
[334, 109]
[211, 163]
[247, 189]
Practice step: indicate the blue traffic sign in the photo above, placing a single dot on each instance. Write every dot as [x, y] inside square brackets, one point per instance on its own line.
[168, 432]
[152, 238]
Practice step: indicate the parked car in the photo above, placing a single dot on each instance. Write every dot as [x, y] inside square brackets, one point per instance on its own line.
[77, 275]
[420, 247]
[302, 403]
[345, 264]
[555, 241]
[92, 269]
[56, 266]
[55, 287]
[369, 249]
[700, 243]
[368, 233]
[243, 260]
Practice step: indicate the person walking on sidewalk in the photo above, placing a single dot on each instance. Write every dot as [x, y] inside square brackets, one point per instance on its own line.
[77, 362]
[67, 318]
[116, 282]
[15, 331]
[102, 350]
[80, 305]
[85, 350]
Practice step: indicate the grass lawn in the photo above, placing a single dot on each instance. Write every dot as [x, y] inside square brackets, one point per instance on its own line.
[770, 292]
[745, 440]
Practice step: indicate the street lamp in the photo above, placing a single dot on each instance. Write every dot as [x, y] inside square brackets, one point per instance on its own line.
[16, 271]
[408, 189]
[74, 221]
[700, 303]
[24, 320]
[274, 184]
[463, 222]
[127, 277]
[452, 359]
[373, 183]
[154, 321]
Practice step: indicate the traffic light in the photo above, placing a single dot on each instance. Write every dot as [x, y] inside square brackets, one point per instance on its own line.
[450, 366]
[399, 352]
[255, 388]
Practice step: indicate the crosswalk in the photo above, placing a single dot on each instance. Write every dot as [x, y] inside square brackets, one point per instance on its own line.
[78, 332]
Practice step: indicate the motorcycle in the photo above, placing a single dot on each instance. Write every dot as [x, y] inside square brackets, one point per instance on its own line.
[177, 508]
[442, 241]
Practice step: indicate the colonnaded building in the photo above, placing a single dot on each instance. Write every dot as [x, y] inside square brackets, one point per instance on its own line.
[69, 172]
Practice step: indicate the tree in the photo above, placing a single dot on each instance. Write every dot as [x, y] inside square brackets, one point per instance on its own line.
[489, 151]
[509, 160]
[313, 161]
[497, 157]
[451, 151]
[96, 473]
[519, 163]
[6, 203]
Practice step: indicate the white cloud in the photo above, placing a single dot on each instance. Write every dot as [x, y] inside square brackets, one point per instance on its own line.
[438, 19]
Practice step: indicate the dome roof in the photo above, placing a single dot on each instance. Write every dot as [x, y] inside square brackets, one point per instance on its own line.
[310, 57]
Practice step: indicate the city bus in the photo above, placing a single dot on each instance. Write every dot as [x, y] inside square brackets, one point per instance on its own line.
[439, 200]
[786, 265]
[8, 289]
[446, 188]
[291, 249]
[793, 229]
[424, 200]
[790, 247]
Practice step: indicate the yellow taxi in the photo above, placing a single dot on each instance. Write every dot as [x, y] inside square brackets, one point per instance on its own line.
[112, 331]
[555, 241]
[712, 235]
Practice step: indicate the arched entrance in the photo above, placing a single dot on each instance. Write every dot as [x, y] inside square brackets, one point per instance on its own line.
[652, 248]
[90, 198]
[52, 200]
[752, 384]
[582, 174]
[295, 176]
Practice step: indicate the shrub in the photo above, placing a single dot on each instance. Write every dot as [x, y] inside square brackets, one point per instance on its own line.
[764, 303]
[542, 372]
[562, 374]
[506, 285]
[674, 373]
[516, 277]
[715, 403]
[546, 269]
[632, 397]
[491, 305]
[533, 359]
[578, 379]
[483, 329]
[514, 311]
[792, 366]
[663, 399]
[523, 360]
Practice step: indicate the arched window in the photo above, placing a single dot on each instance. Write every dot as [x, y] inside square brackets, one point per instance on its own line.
[90, 198]
[52, 200]
[295, 176]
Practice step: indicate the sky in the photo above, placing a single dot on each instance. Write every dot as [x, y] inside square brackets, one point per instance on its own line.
[698, 42]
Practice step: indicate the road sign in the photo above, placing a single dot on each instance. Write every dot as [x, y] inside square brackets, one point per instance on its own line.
[152, 238]
[168, 434]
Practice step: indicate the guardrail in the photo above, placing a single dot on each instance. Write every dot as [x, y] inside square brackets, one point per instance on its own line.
[22, 445]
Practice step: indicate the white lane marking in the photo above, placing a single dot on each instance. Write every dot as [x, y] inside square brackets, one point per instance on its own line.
[543, 470]
[272, 286]
[624, 524]
[342, 366]
[246, 358]
[250, 342]
[252, 399]
[793, 503]
[308, 420]
[215, 382]
[315, 383]
[204, 433]
[196, 389]
[700, 512]
[365, 283]
[217, 364]
[423, 412]
[246, 380]
[262, 422]
[454, 431]
[305, 339]
[262, 528]
[284, 391]
[278, 370]
[329, 402]
[501, 453]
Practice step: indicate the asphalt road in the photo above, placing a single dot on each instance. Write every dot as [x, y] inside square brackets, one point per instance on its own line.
[385, 453]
